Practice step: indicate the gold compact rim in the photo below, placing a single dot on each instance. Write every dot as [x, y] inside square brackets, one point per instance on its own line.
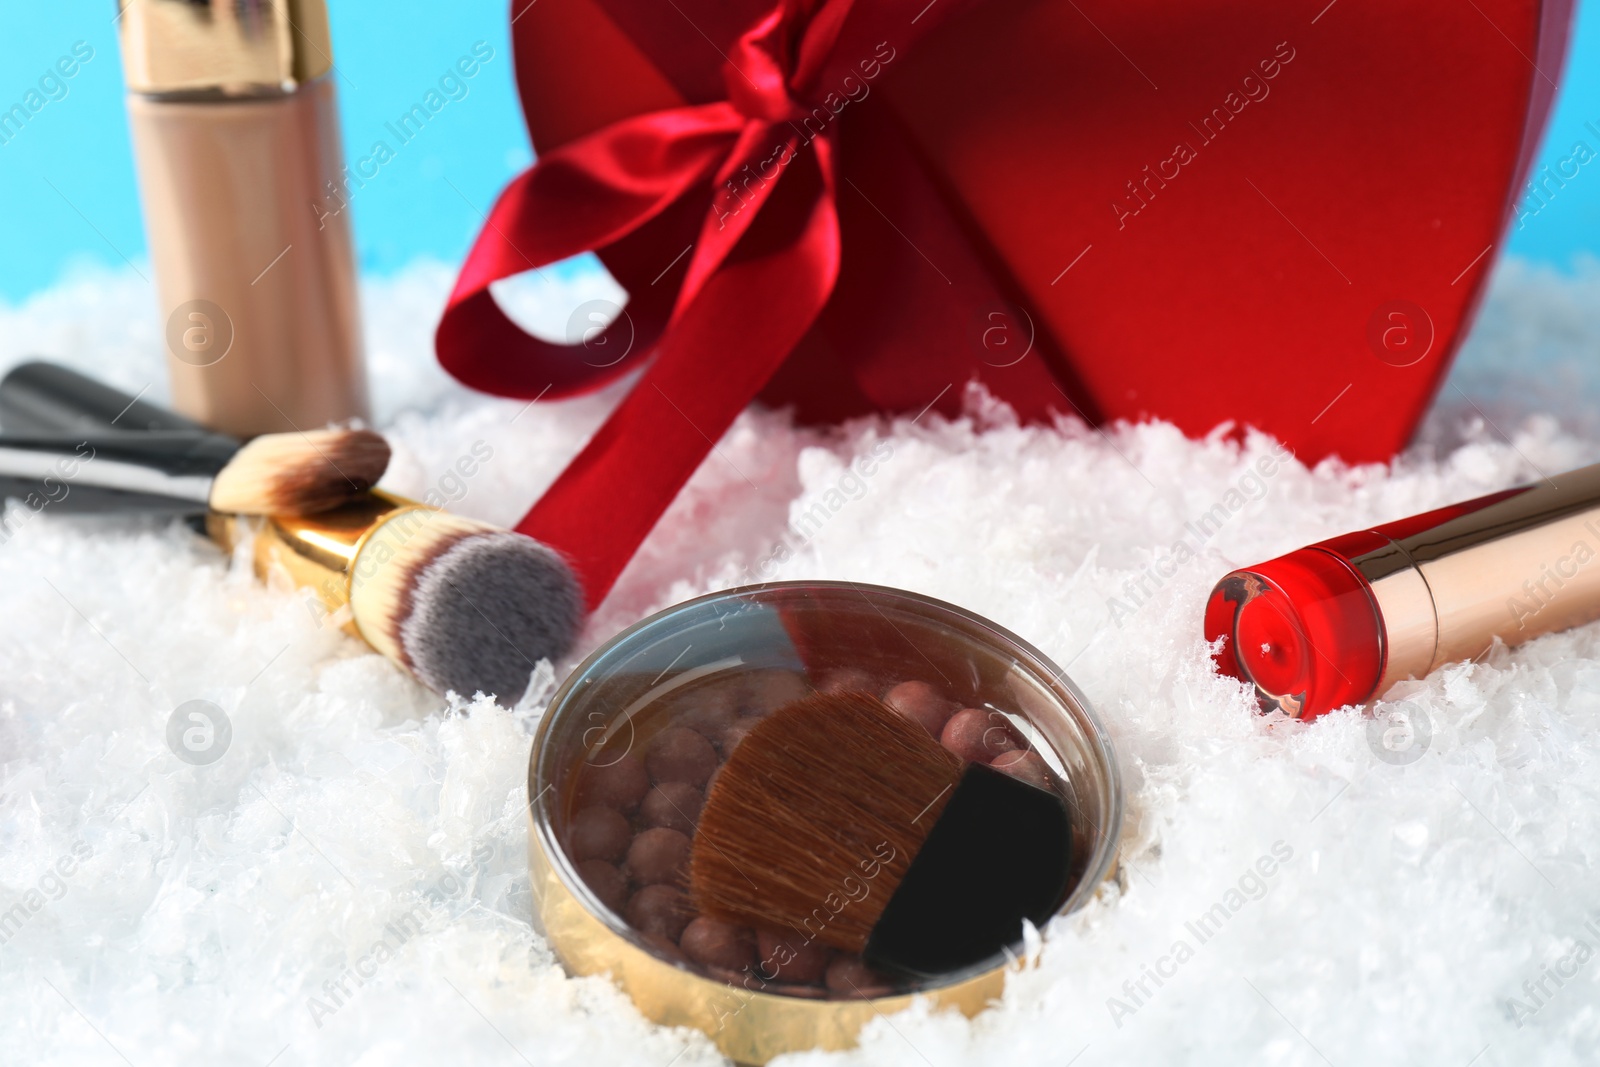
[223, 47]
[750, 1025]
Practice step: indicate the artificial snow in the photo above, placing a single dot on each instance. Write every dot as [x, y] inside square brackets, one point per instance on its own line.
[347, 882]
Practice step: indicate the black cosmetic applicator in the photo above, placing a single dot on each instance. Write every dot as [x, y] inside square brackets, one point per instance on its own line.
[847, 823]
[461, 604]
[136, 456]
[40, 398]
[297, 473]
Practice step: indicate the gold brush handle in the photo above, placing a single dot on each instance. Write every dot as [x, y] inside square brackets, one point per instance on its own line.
[311, 551]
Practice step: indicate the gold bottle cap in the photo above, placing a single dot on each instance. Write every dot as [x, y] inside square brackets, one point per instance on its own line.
[232, 47]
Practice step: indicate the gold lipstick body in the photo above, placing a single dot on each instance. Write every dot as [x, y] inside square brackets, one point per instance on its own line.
[235, 132]
[1513, 566]
[1341, 621]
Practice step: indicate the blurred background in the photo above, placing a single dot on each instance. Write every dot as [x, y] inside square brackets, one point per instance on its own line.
[70, 202]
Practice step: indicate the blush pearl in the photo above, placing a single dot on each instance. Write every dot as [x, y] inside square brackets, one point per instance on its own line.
[613, 782]
[708, 711]
[659, 910]
[789, 959]
[680, 755]
[657, 855]
[769, 690]
[921, 703]
[978, 734]
[848, 680]
[1026, 766]
[606, 882]
[849, 976]
[719, 944]
[675, 805]
[598, 834]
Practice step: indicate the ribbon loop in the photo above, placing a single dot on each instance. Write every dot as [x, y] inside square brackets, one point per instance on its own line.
[765, 259]
[757, 75]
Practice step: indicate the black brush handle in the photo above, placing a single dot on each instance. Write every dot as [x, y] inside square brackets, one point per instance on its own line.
[54, 496]
[44, 398]
[39, 397]
[135, 469]
[1001, 852]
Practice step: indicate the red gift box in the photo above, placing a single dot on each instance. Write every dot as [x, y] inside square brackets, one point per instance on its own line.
[1278, 215]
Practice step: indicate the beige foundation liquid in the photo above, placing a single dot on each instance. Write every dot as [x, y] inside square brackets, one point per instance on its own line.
[235, 132]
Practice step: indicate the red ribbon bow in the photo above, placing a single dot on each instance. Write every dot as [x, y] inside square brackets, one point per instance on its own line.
[980, 173]
[759, 184]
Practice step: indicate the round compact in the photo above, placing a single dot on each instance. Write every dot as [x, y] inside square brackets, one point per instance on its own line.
[635, 738]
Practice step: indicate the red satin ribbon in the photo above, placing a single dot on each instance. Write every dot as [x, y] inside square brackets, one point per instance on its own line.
[764, 264]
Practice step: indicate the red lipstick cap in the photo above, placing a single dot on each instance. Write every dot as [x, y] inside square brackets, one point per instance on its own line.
[1304, 629]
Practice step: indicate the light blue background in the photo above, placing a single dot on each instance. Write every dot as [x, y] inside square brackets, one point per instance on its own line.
[388, 56]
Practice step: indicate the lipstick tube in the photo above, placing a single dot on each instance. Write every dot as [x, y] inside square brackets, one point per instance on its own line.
[235, 134]
[1340, 621]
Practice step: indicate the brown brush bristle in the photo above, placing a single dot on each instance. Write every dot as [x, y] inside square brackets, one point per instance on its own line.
[814, 819]
[300, 473]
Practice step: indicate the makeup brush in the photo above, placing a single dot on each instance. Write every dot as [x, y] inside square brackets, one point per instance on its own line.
[848, 824]
[462, 605]
[40, 397]
[63, 498]
[285, 472]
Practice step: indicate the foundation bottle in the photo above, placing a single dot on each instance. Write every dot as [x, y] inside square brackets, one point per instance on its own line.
[235, 134]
